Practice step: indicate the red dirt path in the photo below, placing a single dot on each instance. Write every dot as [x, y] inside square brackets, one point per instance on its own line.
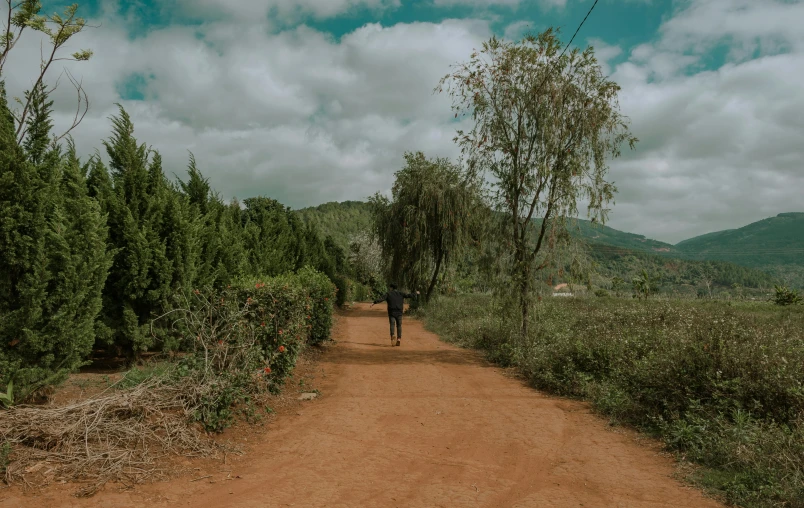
[425, 424]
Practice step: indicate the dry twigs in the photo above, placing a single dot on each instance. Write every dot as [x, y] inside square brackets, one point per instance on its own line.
[118, 435]
[122, 434]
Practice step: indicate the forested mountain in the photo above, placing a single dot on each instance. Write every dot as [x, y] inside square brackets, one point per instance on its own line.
[773, 241]
[339, 220]
[621, 254]
[775, 245]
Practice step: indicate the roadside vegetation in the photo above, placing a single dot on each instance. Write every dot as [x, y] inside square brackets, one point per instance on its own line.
[719, 382]
[707, 356]
[112, 263]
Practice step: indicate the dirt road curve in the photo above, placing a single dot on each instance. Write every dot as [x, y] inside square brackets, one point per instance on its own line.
[425, 424]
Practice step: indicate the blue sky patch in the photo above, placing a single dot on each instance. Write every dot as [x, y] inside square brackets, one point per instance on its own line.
[134, 87]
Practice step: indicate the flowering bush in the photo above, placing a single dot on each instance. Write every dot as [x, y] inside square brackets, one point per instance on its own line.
[321, 293]
[245, 340]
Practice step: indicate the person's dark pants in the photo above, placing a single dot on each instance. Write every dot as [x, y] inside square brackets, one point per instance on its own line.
[396, 319]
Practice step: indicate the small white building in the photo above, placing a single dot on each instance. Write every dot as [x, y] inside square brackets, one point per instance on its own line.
[563, 286]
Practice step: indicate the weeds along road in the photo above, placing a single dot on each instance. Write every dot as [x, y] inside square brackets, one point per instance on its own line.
[425, 424]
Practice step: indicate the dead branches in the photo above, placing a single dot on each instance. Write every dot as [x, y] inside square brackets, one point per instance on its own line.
[119, 435]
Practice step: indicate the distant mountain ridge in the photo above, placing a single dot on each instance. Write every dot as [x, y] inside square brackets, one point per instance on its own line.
[774, 245]
[775, 240]
[341, 220]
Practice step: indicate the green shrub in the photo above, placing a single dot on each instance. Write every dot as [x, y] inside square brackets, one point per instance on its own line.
[321, 295]
[243, 341]
[361, 293]
[277, 314]
[722, 383]
[344, 289]
[786, 296]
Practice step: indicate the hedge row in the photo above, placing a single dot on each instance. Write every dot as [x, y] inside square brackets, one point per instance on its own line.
[287, 311]
[245, 339]
[350, 290]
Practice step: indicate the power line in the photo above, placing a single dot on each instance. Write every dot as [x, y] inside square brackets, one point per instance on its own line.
[552, 67]
[577, 30]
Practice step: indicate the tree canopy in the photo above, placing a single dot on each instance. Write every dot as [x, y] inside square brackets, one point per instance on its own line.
[431, 216]
[544, 124]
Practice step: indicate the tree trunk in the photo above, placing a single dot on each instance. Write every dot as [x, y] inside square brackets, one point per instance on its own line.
[524, 302]
[435, 276]
[524, 291]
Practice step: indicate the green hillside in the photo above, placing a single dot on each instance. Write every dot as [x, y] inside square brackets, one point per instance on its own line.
[340, 220]
[775, 245]
[675, 272]
[774, 241]
[617, 253]
[606, 236]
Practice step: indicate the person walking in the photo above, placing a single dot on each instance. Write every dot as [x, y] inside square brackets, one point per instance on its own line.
[396, 302]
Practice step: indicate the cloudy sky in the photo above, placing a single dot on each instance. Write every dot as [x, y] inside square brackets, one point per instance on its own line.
[312, 101]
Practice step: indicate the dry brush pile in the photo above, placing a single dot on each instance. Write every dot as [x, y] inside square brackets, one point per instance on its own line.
[239, 345]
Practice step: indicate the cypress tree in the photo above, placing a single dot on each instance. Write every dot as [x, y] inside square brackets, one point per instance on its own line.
[54, 261]
[139, 278]
[155, 237]
[272, 240]
[233, 255]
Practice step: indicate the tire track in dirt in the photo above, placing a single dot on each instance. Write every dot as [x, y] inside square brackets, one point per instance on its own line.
[425, 424]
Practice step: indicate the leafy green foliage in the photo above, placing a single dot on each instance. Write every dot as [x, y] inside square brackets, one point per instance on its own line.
[321, 296]
[244, 340]
[7, 398]
[644, 285]
[341, 221]
[786, 296]
[720, 383]
[368, 266]
[627, 264]
[54, 262]
[429, 220]
[151, 233]
[544, 124]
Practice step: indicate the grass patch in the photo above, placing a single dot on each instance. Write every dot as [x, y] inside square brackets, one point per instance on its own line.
[143, 373]
[720, 383]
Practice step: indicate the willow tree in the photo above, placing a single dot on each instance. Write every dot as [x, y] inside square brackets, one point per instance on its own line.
[428, 220]
[544, 125]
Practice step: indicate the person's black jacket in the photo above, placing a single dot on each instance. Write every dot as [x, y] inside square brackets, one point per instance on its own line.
[396, 300]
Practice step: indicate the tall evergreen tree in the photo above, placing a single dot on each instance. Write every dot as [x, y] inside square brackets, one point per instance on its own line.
[54, 261]
[271, 242]
[153, 237]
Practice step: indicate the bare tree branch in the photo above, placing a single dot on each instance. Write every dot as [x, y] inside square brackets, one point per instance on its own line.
[82, 98]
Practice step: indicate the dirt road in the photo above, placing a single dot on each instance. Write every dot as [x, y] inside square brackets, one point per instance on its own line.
[425, 424]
